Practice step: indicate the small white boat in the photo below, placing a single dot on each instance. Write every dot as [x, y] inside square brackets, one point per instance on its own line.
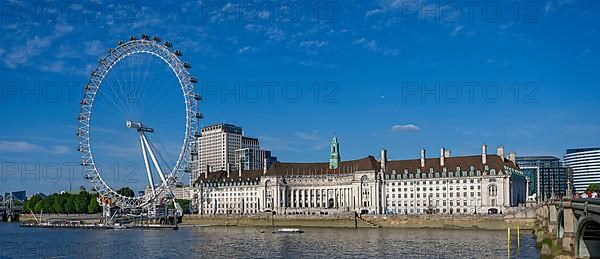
[118, 226]
[290, 230]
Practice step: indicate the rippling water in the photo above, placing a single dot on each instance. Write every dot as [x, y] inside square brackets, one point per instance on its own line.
[236, 242]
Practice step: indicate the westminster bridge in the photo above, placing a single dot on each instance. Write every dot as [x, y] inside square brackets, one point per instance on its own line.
[574, 224]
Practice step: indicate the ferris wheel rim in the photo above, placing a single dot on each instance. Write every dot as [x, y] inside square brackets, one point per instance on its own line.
[186, 83]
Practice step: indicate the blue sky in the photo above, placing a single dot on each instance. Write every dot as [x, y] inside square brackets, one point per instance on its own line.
[378, 74]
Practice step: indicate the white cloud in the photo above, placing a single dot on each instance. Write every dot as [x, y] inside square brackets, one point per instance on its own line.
[253, 27]
[585, 53]
[373, 46]
[59, 150]
[55, 67]
[275, 34]
[62, 29]
[313, 135]
[93, 48]
[32, 47]
[373, 12]
[393, 5]
[272, 33]
[246, 49]
[8, 146]
[23, 53]
[310, 63]
[553, 5]
[405, 127]
[314, 43]
[300, 142]
[390, 52]
[456, 30]
[229, 7]
[547, 7]
[361, 40]
[17, 146]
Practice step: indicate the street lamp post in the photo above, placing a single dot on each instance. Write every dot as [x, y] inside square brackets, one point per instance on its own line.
[272, 213]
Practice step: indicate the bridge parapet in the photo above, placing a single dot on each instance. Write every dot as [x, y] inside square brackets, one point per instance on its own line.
[576, 225]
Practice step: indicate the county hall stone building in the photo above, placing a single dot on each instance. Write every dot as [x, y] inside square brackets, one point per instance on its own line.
[485, 183]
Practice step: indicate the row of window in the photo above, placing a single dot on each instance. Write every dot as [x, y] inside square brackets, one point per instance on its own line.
[436, 195]
[232, 194]
[221, 204]
[437, 188]
[394, 183]
[444, 174]
[443, 211]
[436, 203]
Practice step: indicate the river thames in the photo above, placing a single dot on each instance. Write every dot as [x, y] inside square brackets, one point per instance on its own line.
[238, 242]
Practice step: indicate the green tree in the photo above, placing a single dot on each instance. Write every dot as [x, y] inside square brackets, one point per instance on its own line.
[70, 205]
[595, 187]
[82, 200]
[58, 204]
[93, 206]
[48, 204]
[126, 191]
[185, 205]
[39, 206]
[68, 202]
[30, 204]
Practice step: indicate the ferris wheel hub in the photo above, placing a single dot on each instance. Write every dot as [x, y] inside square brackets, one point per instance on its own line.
[138, 126]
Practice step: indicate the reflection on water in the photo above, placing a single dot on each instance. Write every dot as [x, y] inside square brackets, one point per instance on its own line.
[250, 242]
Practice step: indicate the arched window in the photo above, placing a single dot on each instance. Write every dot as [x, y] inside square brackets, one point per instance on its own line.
[493, 190]
[364, 180]
[268, 194]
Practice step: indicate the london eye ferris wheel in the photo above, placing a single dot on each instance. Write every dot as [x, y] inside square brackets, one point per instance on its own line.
[138, 108]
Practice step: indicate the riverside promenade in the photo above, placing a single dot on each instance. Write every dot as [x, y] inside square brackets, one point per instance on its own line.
[524, 220]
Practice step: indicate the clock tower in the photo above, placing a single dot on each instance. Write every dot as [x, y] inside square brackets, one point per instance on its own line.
[334, 158]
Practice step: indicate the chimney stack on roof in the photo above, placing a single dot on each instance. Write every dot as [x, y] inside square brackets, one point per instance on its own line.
[484, 154]
[227, 168]
[264, 166]
[383, 160]
[500, 151]
[423, 157]
[512, 156]
[442, 156]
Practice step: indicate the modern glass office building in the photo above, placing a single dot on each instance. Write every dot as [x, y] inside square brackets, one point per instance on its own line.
[585, 165]
[547, 176]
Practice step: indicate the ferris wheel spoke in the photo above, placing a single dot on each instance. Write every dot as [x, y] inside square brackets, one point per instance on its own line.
[119, 93]
[146, 71]
[116, 100]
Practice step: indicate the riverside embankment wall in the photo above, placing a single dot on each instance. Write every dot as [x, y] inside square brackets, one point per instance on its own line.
[442, 222]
